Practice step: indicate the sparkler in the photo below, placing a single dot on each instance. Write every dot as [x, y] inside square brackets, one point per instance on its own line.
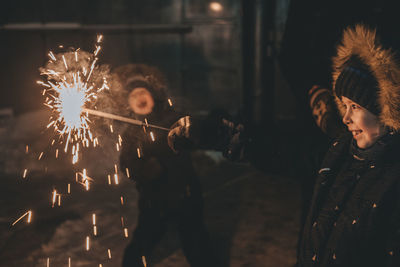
[69, 87]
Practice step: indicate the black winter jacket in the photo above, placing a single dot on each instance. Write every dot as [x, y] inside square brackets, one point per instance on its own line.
[354, 218]
[162, 177]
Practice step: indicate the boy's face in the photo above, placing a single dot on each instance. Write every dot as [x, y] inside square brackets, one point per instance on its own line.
[141, 101]
[364, 125]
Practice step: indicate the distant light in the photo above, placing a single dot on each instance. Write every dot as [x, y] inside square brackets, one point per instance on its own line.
[216, 7]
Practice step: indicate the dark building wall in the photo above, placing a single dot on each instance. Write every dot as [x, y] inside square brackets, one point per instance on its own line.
[203, 66]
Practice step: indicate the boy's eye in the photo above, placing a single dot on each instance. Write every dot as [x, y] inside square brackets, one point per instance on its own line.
[354, 106]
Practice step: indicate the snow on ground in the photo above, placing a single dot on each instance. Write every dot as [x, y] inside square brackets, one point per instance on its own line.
[252, 217]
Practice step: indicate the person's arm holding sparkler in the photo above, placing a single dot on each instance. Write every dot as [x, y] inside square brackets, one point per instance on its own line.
[217, 132]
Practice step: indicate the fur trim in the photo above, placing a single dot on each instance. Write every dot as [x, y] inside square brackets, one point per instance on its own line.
[362, 42]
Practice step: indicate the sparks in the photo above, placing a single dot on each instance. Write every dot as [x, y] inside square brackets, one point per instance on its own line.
[94, 218]
[127, 173]
[126, 232]
[122, 200]
[65, 62]
[68, 89]
[109, 253]
[94, 230]
[24, 174]
[51, 55]
[169, 102]
[116, 178]
[144, 261]
[29, 213]
[87, 243]
[54, 197]
[152, 136]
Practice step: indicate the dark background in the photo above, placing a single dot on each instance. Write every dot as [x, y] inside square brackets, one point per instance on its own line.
[213, 59]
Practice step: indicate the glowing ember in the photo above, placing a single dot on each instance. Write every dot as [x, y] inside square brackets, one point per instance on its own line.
[152, 136]
[54, 197]
[87, 243]
[29, 213]
[144, 261]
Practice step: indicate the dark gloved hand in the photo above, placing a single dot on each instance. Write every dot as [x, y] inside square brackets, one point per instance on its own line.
[214, 132]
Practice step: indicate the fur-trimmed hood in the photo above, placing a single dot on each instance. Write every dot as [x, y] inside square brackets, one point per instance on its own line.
[362, 42]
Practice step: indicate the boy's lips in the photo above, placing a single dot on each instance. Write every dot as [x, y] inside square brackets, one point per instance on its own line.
[355, 133]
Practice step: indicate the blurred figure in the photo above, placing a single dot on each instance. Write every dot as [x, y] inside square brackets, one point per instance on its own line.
[169, 190]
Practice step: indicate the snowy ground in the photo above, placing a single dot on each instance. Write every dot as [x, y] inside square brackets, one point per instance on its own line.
[252, 217]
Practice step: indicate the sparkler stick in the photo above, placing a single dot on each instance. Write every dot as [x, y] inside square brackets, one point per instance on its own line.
[120, 118]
